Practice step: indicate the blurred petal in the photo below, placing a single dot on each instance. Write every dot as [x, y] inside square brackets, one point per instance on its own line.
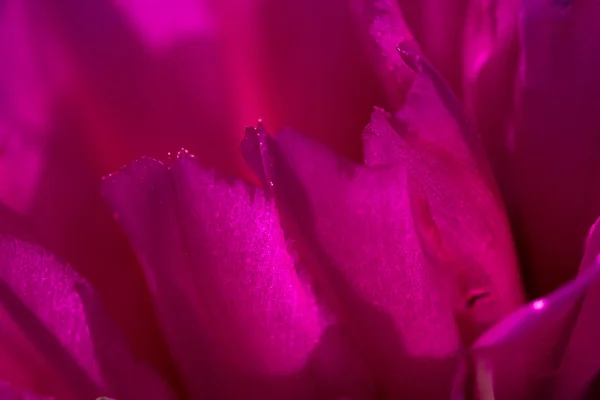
[10, 393]
[15, 225]
[359, 231]
[592, 247]
[490, 25]
[50, 172]
[436, 27]
[431, 137]
[538, 334]
[555, 339]
[57, 337]
[24, 98]
[490, 68]
[546, 156]
[580, 365]
[213, 250]
[161, 25]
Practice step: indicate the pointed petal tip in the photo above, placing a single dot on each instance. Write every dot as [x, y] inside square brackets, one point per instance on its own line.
[254, 150]
[411, 57]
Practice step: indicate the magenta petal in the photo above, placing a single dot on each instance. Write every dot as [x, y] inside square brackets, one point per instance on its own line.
[581, 361]
[238, 317]
[61, 341]
[360, 231]
[10, 393]
[544, 349]
[431, 138]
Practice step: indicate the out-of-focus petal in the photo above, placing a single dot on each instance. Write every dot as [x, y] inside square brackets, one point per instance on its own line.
[24, 103]
[431, 137]
[522, 354]
[545, 155]
[548, 349]
[360, 232]
[489, 26]
[592, 247]
[161, 25]
[57, 338]
[14, 224]
[315, 71]
[50, 169]
[581, 362]
[238, 316]
[490, 68]
[10, 393]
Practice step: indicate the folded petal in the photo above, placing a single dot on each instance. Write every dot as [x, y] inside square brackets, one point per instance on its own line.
[431, 137]
[238, 316]
[580, 365]
[548, 349]
[360, 232]
[58, 338]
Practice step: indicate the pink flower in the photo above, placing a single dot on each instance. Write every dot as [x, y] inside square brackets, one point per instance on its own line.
[312, 274]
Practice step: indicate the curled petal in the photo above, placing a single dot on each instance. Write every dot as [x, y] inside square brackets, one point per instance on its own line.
[360, 233]
[547, 349]
[61, 341]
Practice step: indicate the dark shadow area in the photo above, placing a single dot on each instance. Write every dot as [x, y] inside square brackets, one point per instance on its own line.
[309, 36]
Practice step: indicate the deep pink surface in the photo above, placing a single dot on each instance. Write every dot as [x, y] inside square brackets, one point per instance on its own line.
[329, 260]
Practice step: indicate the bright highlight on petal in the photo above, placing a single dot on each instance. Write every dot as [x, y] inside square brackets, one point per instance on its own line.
[538, 304]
